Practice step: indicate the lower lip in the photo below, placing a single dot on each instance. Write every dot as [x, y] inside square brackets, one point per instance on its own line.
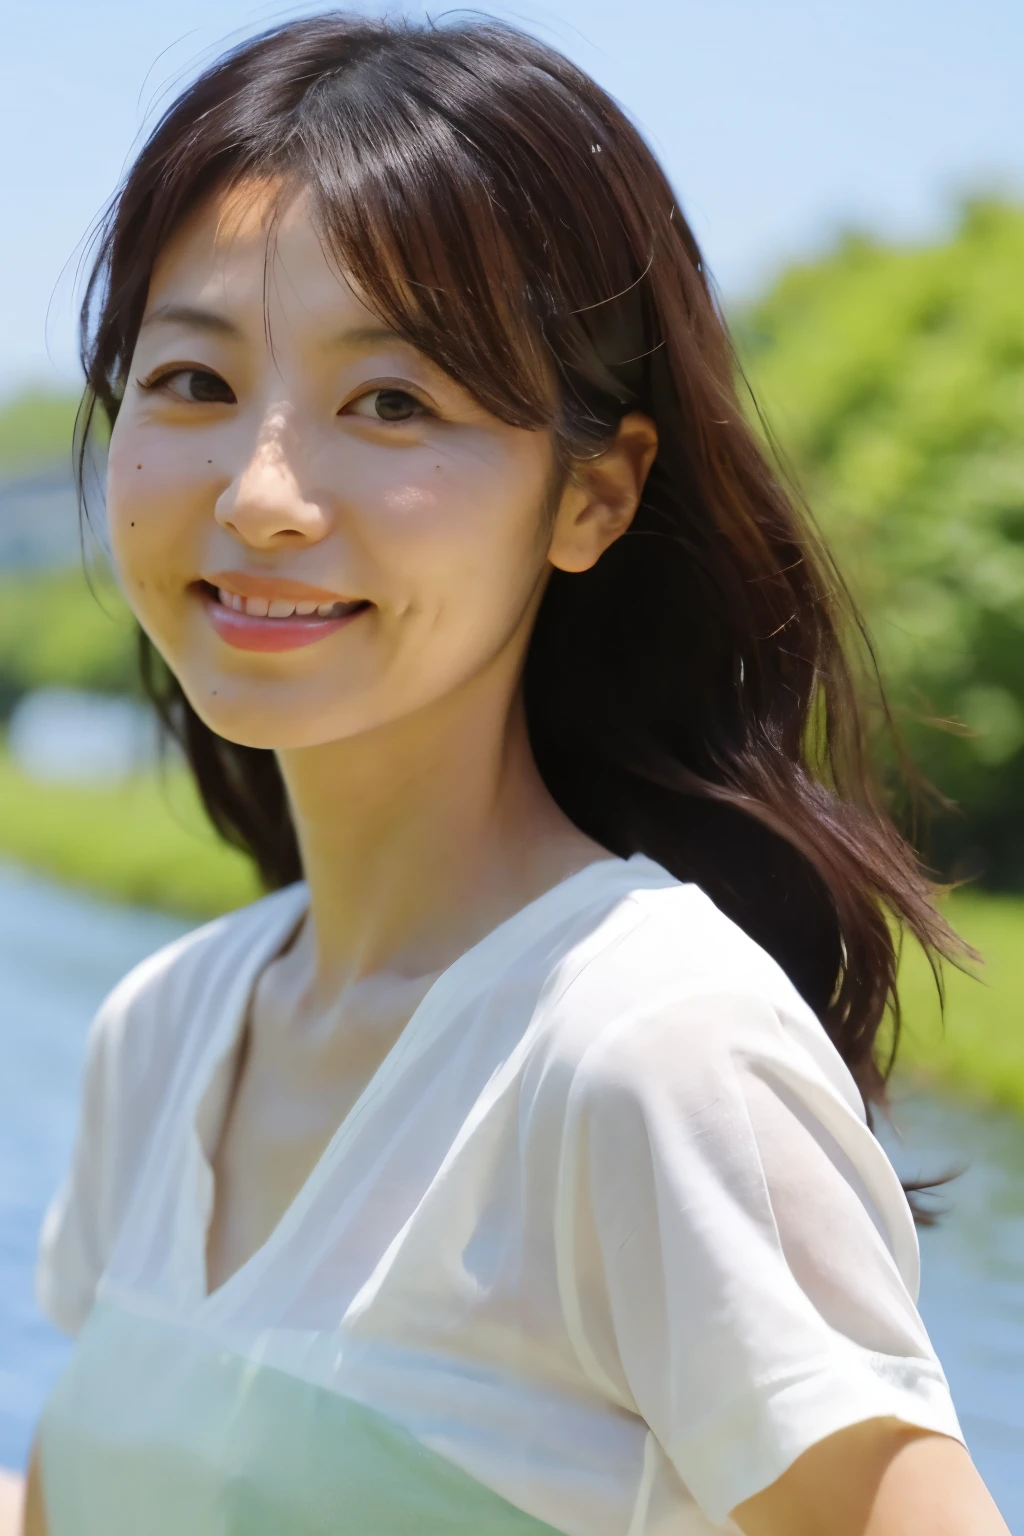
[246, 632]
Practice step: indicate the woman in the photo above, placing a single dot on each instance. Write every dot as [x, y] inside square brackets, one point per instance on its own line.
[509, 1167]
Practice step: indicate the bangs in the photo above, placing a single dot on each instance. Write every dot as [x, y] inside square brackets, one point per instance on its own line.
[407, 214]
[490, 204]
[437, 193]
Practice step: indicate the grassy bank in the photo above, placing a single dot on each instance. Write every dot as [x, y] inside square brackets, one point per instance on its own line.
[36, 428]
[147, 842]
[979, 1050]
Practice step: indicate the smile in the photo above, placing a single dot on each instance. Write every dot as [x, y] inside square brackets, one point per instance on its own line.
[274, 623]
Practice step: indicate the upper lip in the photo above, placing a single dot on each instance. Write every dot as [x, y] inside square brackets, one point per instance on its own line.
[271, 587]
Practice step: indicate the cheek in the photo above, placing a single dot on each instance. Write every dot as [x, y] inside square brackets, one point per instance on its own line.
[150, 493]
[155, 540]
[473, 518]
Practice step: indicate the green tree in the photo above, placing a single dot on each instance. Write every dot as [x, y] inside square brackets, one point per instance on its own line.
[894, 382]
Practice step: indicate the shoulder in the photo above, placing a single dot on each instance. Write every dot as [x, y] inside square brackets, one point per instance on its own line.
[145, 1046]
[684, 1053]
[679, 992]
[168, 1002]
[219, 944]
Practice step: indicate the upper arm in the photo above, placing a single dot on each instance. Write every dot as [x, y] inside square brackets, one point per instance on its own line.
[11, 1504]
[743, 1258]
[138, 1048]
[77, 1230]
[877, 1478]
[128, 1060]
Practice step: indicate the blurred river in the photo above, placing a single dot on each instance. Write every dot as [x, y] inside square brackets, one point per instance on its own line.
[59, 954]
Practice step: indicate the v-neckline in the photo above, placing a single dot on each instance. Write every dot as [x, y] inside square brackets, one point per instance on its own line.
[474, 960]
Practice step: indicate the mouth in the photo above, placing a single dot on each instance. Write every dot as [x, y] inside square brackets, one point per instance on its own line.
[274, 623]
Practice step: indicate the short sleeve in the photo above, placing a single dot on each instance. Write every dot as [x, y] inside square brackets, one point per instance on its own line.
[130, 1055]
[739, 1262]
[78, 1227]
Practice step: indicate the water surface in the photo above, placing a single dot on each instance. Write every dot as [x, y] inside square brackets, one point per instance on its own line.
[972, 1274]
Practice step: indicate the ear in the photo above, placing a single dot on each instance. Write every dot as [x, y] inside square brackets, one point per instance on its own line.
[601, 496]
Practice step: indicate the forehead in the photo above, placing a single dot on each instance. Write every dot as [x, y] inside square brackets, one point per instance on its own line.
[255, 248]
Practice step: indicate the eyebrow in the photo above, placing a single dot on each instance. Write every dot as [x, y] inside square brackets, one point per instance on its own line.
[195, 318]
[365, 336]
[192, 316]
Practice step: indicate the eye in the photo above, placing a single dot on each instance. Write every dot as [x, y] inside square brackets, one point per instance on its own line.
[197, 385]
[388, 404]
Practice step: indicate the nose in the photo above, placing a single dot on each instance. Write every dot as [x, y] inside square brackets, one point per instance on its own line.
[264, 505]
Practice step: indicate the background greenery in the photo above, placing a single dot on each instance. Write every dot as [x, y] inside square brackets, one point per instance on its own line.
[893, 379]
[57, 629]
[144, 841]
[36, 429]
[977, 1049]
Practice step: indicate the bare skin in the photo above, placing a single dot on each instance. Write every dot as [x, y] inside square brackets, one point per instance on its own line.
[878, 1478]
[11, 1499]
[422, 818]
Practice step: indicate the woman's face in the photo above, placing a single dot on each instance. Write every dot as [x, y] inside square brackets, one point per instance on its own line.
[319, 529]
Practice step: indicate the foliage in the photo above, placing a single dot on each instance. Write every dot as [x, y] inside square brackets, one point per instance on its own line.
[145, 841]
[36, 428]
[56, 628]
[894, 381]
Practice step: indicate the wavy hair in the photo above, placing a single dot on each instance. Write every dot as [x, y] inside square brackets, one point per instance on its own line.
[702, 694]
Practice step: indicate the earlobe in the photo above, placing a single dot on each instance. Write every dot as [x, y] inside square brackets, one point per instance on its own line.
[601, 497]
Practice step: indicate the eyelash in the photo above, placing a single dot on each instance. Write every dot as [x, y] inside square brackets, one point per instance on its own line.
[156, 380]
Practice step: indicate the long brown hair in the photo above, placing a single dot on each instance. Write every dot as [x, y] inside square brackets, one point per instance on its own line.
[695, 695]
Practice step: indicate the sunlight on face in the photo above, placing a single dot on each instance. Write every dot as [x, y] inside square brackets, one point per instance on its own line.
[320, 531]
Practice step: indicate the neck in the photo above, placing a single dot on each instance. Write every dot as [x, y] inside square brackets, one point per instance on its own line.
[420, 836]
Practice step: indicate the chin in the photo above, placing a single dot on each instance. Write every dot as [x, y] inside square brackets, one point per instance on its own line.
[275, 721]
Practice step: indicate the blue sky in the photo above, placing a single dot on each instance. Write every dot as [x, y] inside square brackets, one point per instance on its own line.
[779, 121]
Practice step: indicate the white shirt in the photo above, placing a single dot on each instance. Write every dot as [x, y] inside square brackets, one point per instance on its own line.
[605, 1244]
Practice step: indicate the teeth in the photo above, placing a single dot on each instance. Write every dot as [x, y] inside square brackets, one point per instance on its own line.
[282, 607]
[229, 600]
